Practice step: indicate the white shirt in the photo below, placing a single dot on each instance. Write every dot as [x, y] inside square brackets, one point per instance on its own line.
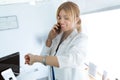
[71, 55]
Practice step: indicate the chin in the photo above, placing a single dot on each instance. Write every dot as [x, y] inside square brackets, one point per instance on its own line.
[64, 30]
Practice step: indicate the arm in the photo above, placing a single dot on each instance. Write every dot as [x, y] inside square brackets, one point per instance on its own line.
[49, 60]
[52, 34]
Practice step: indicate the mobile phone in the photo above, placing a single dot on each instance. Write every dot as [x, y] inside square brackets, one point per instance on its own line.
[59, 28]
[8, 74]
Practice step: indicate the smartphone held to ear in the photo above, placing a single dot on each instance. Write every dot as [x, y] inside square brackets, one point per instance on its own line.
[59, 29]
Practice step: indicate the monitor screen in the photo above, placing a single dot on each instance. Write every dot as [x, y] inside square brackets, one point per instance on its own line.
[10, 61]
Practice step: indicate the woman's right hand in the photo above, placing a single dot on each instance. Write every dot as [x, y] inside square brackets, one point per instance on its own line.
[53, 33]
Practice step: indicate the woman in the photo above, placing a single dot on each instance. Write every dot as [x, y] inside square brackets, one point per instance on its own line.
[65, 48]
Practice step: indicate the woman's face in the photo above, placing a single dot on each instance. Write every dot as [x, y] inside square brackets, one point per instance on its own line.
[65, 22]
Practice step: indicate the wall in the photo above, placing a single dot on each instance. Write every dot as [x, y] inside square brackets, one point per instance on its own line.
[33, 21]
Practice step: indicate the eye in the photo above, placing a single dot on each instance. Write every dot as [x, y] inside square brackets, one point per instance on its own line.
[58, 17]
[66, 18]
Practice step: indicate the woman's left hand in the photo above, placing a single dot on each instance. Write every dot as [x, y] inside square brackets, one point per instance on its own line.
[29, 59]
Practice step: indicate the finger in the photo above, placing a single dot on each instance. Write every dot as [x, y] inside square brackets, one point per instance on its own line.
[58, 24]
[27, 57]
[53, 30]
[26, 62]
[56, 27]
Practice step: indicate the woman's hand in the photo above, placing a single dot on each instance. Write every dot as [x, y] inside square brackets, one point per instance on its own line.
[54, 32]
[29, 59]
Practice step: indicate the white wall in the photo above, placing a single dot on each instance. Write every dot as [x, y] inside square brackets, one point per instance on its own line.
[33, 21]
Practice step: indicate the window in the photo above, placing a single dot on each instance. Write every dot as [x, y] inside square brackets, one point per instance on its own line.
[103, 30]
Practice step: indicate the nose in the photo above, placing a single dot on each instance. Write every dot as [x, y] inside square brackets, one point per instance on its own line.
[61, 21]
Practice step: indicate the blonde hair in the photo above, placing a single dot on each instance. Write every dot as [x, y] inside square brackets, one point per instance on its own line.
[72, 10]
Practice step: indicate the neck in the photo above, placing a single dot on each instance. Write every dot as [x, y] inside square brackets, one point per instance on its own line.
[66, 34]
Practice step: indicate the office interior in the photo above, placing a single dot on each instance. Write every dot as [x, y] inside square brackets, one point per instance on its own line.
[24, 25]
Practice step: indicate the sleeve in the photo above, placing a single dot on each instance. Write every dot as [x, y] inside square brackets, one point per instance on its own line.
[45, 51]
[75, 55]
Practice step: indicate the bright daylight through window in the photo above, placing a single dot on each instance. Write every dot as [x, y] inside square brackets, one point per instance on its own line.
[103, 30]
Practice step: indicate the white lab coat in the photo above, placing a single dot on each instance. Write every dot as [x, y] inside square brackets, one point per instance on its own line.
[71, 56]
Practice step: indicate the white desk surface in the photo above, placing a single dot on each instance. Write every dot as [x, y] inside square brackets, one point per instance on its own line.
[32, 73]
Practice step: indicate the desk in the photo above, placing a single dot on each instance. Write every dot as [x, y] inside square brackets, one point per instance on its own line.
[34, 75]
[35, 72]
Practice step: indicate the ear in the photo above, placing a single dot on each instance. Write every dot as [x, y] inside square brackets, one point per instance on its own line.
[78, 20]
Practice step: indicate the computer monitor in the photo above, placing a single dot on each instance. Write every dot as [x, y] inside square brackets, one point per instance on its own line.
[10, 61]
